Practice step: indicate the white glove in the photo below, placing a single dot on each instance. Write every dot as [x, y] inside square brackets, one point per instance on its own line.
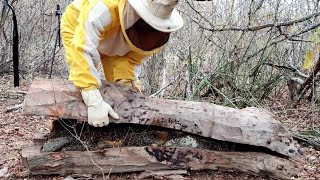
[98, 110]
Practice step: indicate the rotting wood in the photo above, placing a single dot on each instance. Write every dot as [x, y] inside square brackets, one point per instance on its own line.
[135, 159]
[253, 126]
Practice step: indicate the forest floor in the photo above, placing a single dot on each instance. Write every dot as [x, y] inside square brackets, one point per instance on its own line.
[17, 131]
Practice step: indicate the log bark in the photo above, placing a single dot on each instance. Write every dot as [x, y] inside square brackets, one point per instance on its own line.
[253, 126]
[135, 159]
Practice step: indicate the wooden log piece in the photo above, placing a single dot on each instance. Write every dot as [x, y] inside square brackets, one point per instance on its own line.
[253, 126]
[135, 159]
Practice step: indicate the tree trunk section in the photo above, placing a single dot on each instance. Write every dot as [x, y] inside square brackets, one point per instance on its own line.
[252, 126]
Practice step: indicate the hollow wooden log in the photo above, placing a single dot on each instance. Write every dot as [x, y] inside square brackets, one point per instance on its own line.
[136, 159]
[253, 126]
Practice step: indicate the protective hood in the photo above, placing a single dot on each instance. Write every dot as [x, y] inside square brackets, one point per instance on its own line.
[128, 17]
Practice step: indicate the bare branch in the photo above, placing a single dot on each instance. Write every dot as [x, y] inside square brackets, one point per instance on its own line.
[257, 28]
[286, 38]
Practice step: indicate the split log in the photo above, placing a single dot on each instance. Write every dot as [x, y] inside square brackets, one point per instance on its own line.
[136, 159]
[253, 126]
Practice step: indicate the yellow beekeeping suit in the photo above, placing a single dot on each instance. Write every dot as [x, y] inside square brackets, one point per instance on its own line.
[92, 32]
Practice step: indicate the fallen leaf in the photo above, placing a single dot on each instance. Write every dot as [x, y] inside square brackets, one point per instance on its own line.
[309, 60]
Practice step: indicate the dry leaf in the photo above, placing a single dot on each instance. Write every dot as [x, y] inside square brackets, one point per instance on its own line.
[309, 60]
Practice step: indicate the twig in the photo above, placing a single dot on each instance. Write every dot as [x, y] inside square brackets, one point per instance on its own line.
[87, 149]
[217, 90]
[297, 80]
[78, 138]
[164, 173]
[283, 39]
[7, 63]
[304, 92]
[13, 108]
[280, 66]
[166, 86]
[188, 77]
[300, 40]
[208, 21]
[311, 142]
[257, 28]
[18, 93]
[9, 159]
[108, 176]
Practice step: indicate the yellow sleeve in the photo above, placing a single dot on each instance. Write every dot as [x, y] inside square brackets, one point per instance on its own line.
[136, 59]
[126, 67]
[95, 17]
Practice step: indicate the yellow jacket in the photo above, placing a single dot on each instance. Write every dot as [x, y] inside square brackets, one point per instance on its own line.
[93, 31]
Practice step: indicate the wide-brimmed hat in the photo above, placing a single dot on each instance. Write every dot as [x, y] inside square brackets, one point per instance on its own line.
[160, 14]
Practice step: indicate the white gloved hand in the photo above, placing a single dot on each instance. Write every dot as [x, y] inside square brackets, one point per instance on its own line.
[98, 110]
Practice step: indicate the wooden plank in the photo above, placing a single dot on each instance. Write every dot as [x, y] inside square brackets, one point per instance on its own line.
[253, 126]
[136, 159]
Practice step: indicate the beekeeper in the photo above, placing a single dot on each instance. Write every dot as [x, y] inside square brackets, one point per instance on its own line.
[120, 34]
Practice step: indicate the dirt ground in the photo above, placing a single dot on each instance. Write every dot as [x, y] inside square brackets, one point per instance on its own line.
[17, 131]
